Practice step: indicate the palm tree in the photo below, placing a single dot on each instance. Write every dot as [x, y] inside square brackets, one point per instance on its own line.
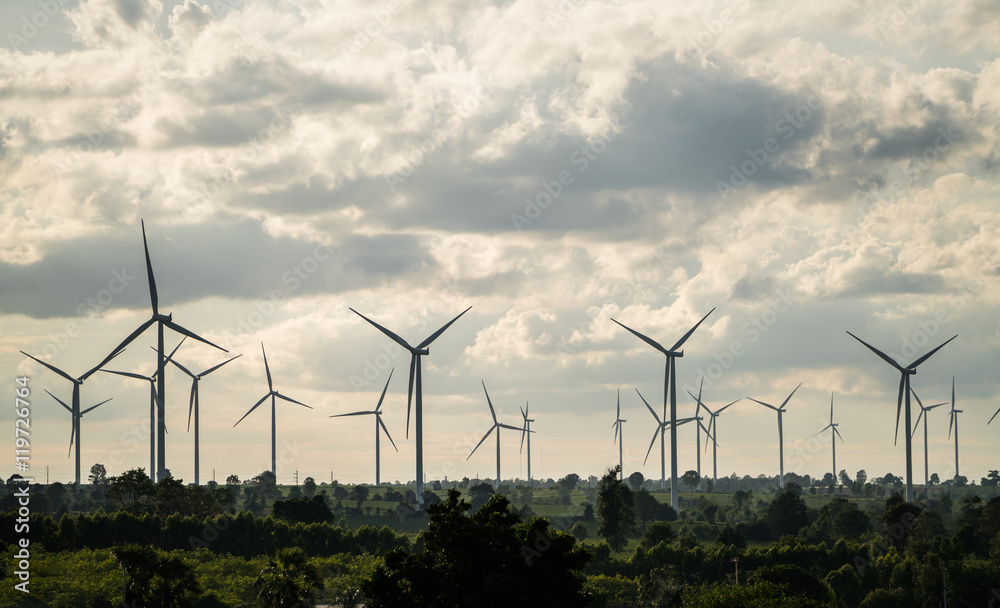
[288, 580]
[150, 580]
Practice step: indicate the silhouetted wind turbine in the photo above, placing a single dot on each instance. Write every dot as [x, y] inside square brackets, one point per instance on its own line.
[75, 408]
[834, 433]
[954, 420]
[781, 446]
[193, 407]
[923, 412]
[662, 426]
[161, 390]
[526, 432]
[415, 353]
[378, 423]
[904, 394]
[152, 407]
[699, 428]
[620, 430]
[713, 432]
[273, 394]
[75, 427]
[497, 425]
[670, 387]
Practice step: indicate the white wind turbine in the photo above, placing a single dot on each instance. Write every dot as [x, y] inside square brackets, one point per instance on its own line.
[712, 433]
[620, 430]
[497, 425]
[834, 433]
[378, 423]
[781, 446]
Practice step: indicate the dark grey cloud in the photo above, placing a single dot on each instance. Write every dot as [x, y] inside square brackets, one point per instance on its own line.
[195, 262]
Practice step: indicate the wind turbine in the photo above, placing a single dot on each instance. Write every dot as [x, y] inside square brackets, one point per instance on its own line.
[526, 432]
[161, 361]
[699, 428]
[193, 407]
[620, 430]
[670, 387]
[76, 427]
[904, 393]
[497, 425]
[834, 433]
[415, 353]
[781, 446]
[75, 409]
[378, 423]
[994, 416]
[662, 426]
[152, 406]
[954, 420]
[273, 394]
[712, 432]
[923, 413]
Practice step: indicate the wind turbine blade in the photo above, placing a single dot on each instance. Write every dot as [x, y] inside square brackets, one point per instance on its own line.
[822, 429]
[953, 392]
[72, 435]
[480, 442]
[508, 426]
[928, 355]
[916, 424]
[884, 356]
[764, 404]
[384, 389]
[252, 409]
[615, 424]
[174, 352]
[128, 374]
[194, 390]
[290, 400]
[919, 402]
[618, 411]
[724, 407]
[524, 430]
[789, 396]
[838, 433]
[267, 369]
[434, 336]
[189, 334]
[651, 444]
[352, 414]
[831, 408]
[68, 408]
[951, 421]
[489, 403]
[703, 427]
[645, 339]
[212, 369]
[124, 343]
[105, 362]
[179, 366]
[94, 407]
[382, 424]
[647, 407]
[395, 338]
[994, 416]
[154, 300]
[52, 367]
[691, 331]
[409, 391]
[899, 404]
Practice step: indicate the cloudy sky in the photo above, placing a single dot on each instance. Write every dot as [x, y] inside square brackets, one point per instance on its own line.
[803, 169]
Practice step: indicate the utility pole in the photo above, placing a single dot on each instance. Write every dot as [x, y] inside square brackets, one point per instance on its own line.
[296, 477]
[736, 560]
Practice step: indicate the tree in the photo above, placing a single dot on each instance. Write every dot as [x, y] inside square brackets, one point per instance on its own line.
[479, 494]
[992, 479]
[98, 475]
[232, 480]
[787, 513]
[851, 522]
[309, 487]
[934, 479]
[288, 580]
[153, 580]
[304, 510]
[635, 480]
[730, 536]
[691, 479]
[647, 508]
[133, 489]
[657, 533]
[961, 481]
[489, 559]
[844, 477]
[615, 509]
[861, 477]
